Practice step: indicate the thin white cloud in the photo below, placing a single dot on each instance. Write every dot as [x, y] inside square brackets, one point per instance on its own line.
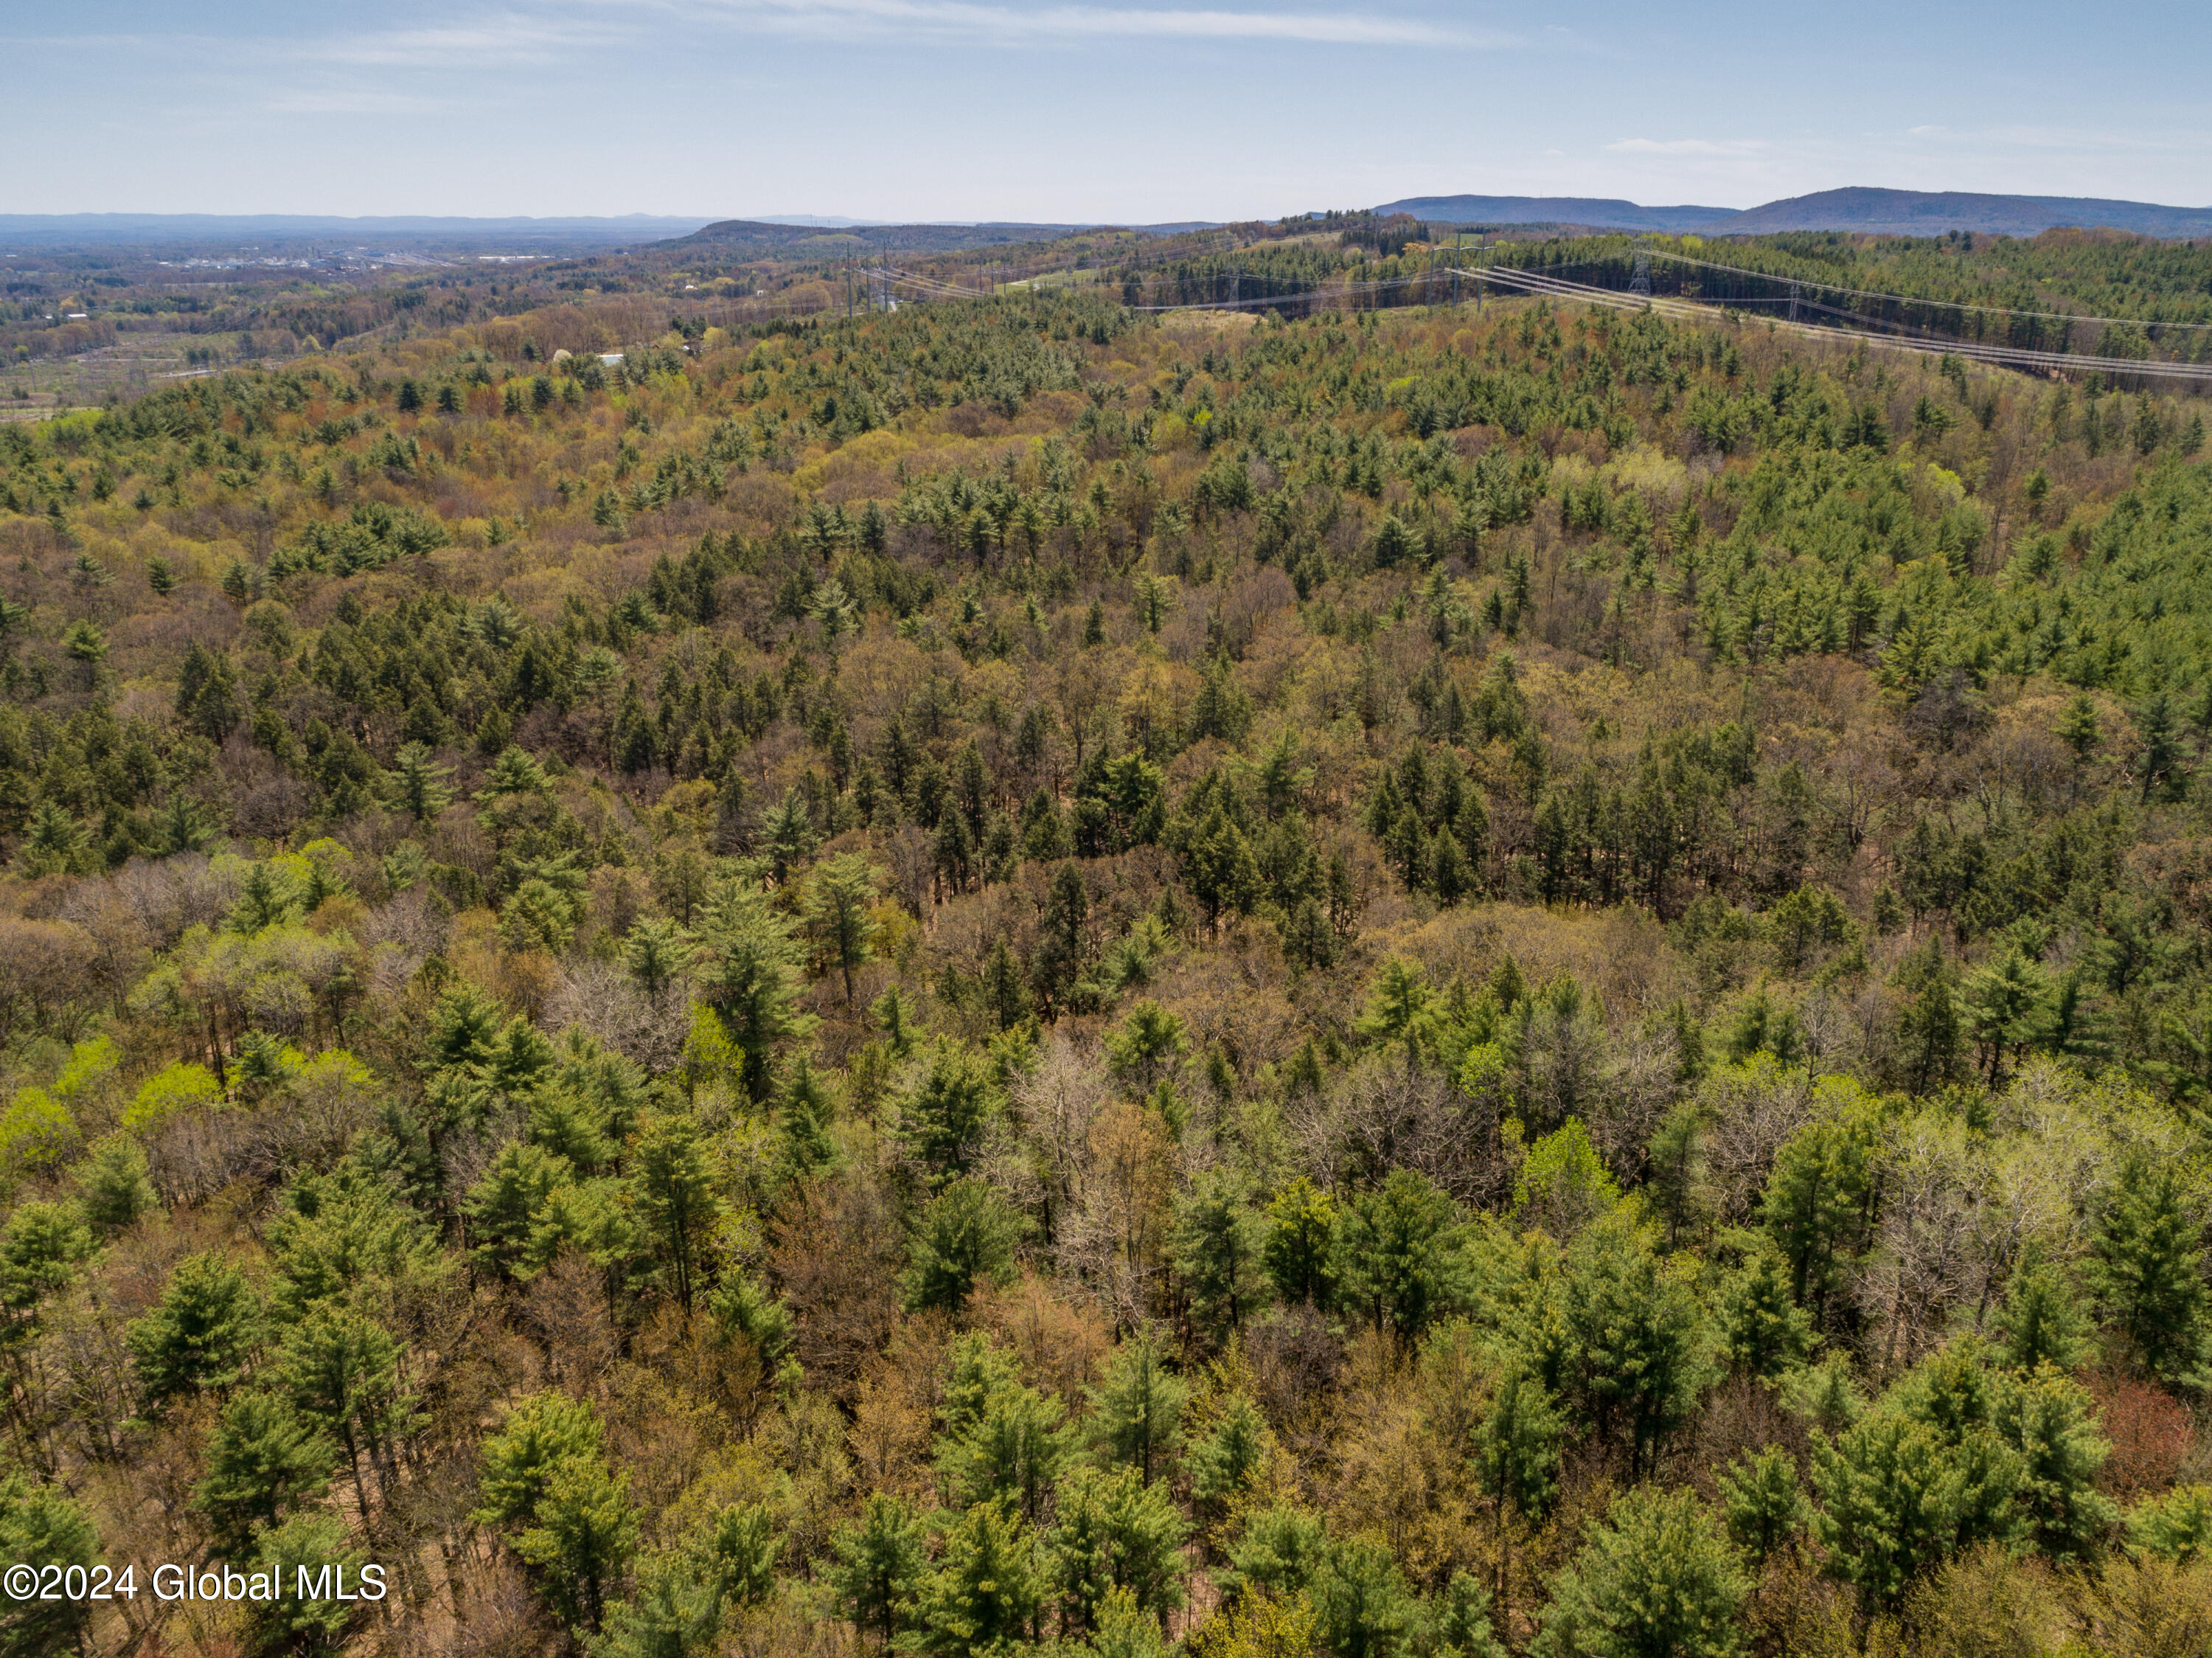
[1007, 25]
[495, 37]
[345, 100]
[2064, 140]
[354, 74]
[1687, 147]
[506, 37]
[512, 38]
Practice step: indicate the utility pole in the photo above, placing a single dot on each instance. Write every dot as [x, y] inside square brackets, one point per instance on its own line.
[1639, 283]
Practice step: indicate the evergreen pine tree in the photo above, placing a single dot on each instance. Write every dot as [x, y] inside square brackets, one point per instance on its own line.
[944, 1116]
[967, 1235]
[1006, 992]
[2148, 1271]
[1361, 1605]
[1449, 878]
[1141, 1048]
[880, 1560]
[735, 1553]
[2041, 1322]
[1279, 1553]
[417, 784]
[749, 975]
[804, 1114]
[2078, 727]
[516, 1463]
[2176, 1525]
[1656, 1577]
[340, 1371]
[44, 1247]
[1398, 1253]
[262, 1460]
[787, 835]
[2161, 751]
[39, 1522]
[677, 1204]
[2049, 1420]
[1928, 1031]
[674, 1608]
[656, 951]
[2006, 1006]
[503, 1208]
[54, 843]
[838, 894]
[1760, 1502]
[199, 1334]
[1397, 1006]
[1061, 952]
[1815, 1202]
[1136, 1415]
[1219, 867]
[1111, 1531]
[1516, 1458]
[582, 1534]
[1460, 1619]
[1890, 1498]
[1763, 1332]
[1234, 1449]
[207, 695]
[1215, 1248]
[984, 1595]
[1298, 1248]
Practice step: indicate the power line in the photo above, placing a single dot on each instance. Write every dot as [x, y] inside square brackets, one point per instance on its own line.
[1537, 282]
[2014, 357]
[1909, 299]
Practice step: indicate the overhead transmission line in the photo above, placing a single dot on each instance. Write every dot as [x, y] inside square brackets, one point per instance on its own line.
[1538, 281]
[1911, 299]
[2015, 357]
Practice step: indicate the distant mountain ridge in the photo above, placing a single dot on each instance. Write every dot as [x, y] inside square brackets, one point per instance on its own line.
[756, 238]
[822, 236]
[1603, 213]
[1932, 212]
[1874, 211]
[140, 229]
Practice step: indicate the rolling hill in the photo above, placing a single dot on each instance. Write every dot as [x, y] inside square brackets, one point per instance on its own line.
[1602, 213]
[1882, 212]
[1923, 212]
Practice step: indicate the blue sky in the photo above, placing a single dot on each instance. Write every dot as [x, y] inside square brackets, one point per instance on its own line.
[1142, 112]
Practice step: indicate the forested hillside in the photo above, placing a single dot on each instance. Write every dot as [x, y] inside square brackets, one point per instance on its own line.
[2098, 292]
[1416, 985]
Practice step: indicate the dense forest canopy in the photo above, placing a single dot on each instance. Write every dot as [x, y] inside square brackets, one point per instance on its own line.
[1402, 985]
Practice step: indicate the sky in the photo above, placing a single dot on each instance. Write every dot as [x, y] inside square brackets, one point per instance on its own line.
[1142, 113]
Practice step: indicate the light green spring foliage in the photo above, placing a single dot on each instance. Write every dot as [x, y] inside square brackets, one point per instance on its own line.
[1564, 1184]
[2177, 1526]
[1657, 1577]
